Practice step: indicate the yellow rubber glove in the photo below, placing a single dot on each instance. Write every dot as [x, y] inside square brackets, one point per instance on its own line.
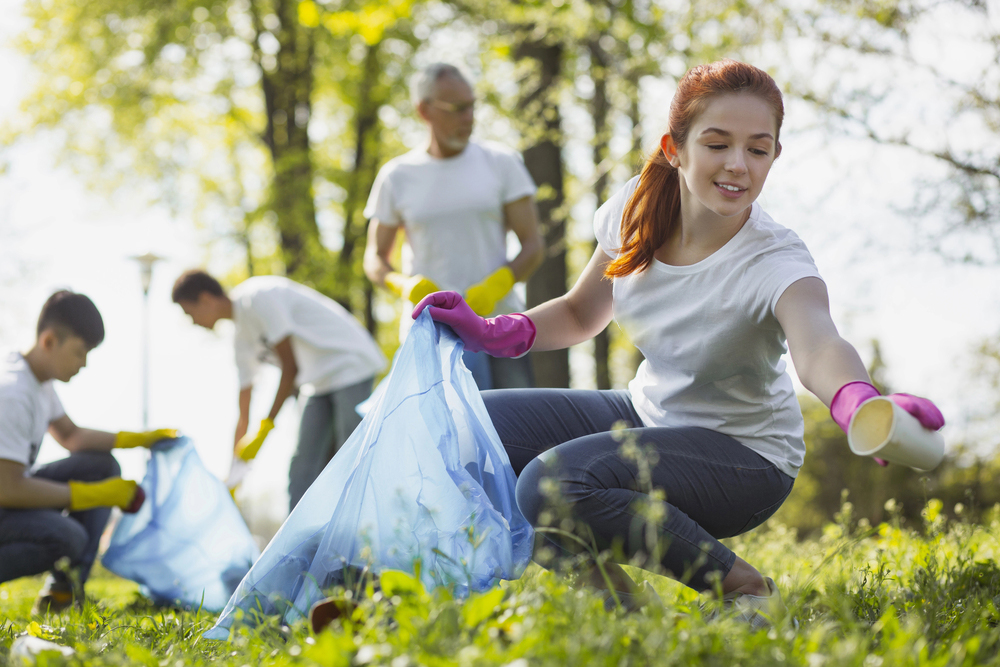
[411, 288]
[128, 439]
[483, 296]
[249, 444]
[111, 492]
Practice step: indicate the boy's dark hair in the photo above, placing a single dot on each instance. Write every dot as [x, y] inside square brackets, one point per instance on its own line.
[67, 312]
[189, 286]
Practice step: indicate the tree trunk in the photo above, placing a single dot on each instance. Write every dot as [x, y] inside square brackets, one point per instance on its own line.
[365, 123]
[599, 109]
[366, 131]
[539, 101]
[288, 91]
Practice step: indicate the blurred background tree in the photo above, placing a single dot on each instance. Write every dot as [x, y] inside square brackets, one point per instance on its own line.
[941, 107]
[267, 120]
[244, 114]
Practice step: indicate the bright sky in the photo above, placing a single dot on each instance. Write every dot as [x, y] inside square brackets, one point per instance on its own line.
[838, 195]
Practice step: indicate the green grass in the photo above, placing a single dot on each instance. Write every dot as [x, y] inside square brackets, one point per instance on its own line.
[861, 596]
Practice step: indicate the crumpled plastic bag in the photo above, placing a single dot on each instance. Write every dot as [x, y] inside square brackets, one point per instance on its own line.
[188, 545]
[422, 485]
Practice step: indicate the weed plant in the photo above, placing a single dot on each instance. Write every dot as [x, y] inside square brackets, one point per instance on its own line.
[857, 595]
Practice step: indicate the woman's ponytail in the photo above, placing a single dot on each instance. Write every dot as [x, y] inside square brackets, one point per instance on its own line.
[649, 215]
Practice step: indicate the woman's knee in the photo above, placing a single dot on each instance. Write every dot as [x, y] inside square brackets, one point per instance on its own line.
[529, 492]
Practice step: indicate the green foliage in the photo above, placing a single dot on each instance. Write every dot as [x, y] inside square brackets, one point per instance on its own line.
[886, 595]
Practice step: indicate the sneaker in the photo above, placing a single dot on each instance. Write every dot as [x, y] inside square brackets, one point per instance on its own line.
[55, 597]
[757, 611]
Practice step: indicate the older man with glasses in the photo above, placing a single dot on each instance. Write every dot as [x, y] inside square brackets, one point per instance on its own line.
[456, 199]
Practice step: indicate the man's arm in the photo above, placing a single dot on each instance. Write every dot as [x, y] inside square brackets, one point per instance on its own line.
[824, 361]
[20, 492]
[289, 369]
[248, 445]
[521, 216]
[243, 422]
[381, 243]
[76, 439]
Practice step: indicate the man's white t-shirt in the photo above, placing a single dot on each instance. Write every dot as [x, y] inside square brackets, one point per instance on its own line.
[452, 211]
[711, 341]
[332, 350]
[27, 407]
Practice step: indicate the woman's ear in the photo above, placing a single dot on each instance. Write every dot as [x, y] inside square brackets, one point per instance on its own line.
[777, 150]
[669, 149]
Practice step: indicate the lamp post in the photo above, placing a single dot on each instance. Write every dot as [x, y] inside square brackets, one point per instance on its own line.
[146, 262]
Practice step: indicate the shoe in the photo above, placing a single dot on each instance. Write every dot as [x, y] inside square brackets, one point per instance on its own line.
[757, 611]
[644, 596]
[325, 612]
[54, 598]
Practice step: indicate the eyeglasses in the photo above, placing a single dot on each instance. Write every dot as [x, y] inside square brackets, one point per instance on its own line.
[452, 107]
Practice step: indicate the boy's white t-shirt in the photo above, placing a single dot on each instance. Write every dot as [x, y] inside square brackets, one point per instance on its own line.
[27, 407]
[452, 210]
[332, 350]
[711, 341]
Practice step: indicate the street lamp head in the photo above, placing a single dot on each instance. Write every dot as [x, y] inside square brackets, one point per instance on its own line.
[146, 262]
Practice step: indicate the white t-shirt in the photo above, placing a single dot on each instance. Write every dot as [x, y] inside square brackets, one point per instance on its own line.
[27, 407]
[452, 211]
[332, 350]
[711, 340]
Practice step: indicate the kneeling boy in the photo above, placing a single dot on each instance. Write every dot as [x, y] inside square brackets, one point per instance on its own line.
[35, 531]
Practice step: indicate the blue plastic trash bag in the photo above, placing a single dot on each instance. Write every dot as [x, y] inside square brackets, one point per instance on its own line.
[423, 479]
[188, 544]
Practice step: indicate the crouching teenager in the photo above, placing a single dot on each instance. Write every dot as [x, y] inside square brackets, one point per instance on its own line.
[712, 291]
[57, 510]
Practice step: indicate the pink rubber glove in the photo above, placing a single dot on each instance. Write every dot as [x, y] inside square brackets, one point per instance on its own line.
[500, 336]
[849, 397]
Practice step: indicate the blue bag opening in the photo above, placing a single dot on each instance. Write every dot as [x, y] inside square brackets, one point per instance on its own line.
[422, 480]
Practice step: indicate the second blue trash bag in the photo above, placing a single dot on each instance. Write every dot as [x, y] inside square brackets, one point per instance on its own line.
[423, 479]
[188, 544]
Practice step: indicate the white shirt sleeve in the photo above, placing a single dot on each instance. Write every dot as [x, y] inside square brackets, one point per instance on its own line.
[16, 427]
[247, 362]
[56, 409]
[516, 181]
[381, 201]
[608, 219]
[774, 273]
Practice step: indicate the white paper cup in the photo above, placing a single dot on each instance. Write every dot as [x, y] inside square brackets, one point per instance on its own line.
[881, 428]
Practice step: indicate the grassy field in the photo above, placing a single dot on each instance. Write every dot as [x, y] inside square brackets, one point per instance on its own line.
[866, 596]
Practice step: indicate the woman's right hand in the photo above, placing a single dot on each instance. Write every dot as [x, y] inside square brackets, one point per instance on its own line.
[502, 336]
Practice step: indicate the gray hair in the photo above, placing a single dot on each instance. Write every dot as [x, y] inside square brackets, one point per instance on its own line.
[422, 85]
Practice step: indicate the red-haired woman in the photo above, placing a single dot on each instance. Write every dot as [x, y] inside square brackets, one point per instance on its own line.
[709, 288]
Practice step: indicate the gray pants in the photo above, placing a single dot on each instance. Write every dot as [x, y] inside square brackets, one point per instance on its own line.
[31, 541]
[327, 421]
[715, 487]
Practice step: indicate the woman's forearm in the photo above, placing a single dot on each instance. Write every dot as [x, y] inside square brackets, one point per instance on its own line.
[558, 325]
[829, 367]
